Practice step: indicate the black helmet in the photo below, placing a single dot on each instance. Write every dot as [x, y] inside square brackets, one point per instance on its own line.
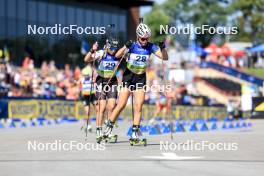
[112, 46]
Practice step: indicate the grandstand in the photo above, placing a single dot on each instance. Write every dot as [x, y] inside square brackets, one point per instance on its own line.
[225, 86]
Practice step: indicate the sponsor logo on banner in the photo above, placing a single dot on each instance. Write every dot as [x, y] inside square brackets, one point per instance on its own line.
[60, 108]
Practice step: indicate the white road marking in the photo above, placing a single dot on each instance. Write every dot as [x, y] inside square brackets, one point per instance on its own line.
[172, 156]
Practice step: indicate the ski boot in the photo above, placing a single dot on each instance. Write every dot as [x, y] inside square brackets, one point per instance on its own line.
[105, 121]
[108, 136]
[136, 137]
[87, 128]
[115, 124]
[99, 136]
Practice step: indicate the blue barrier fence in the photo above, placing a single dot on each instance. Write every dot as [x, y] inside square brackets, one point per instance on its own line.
[36, 122]
[233, 72]
[160, 127]
[201, 125]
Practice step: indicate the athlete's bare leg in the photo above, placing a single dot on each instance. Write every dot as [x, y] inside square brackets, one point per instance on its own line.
[121, 104]
[139, 97]
[87, 109]
[101, 106]
[158, 110]
[111, 103]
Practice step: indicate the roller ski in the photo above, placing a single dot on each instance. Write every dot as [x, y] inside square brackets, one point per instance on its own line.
[138, 141]
[111, 139]
[136, 137]
[108, 136]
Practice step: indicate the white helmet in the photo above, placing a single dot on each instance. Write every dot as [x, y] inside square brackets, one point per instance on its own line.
[143, 31]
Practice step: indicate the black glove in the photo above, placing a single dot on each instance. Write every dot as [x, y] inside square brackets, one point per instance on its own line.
[128, 43]
[162, 45]
[91, 50]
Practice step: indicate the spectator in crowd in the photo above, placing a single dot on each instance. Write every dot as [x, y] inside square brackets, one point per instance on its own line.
[50, 82]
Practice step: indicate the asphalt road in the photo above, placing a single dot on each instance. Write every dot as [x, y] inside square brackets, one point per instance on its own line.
[243, 154]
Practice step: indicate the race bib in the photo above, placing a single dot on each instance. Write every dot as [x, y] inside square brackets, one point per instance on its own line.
[106, 68]
[107, 65]
[137, 63]
[87, 88]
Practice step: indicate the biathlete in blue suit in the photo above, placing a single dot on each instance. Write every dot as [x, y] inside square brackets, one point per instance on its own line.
[134, 77]
[106, 65]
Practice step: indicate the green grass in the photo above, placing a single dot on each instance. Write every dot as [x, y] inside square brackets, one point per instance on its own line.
[255, 71]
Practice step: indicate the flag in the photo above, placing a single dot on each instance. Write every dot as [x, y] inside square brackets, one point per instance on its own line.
[84, 47]
[6, 54]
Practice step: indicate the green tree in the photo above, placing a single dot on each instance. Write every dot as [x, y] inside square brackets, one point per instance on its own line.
[196, 12]
[154, 19]
[249, 17]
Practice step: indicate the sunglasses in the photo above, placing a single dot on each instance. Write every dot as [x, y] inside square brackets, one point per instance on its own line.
[144, 39]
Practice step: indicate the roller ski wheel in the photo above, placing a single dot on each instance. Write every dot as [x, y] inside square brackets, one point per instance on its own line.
[133, 142]
[112, 139]
[99, 139]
